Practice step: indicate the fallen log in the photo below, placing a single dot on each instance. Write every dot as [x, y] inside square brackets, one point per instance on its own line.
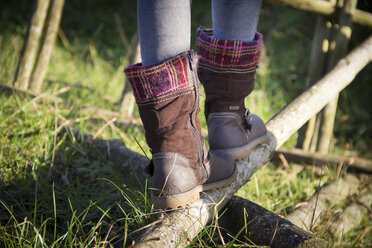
[183, 225]
[319, 159]
[263, 227]
[325, 8]
[310, 213]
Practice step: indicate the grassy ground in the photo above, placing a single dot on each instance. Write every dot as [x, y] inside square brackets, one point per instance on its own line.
[56, 193]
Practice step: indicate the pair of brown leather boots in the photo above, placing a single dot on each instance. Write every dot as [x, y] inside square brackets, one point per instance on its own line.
[167, 95]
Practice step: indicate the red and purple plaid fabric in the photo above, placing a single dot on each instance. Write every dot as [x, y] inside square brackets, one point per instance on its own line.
[156, 80]
[231, 54]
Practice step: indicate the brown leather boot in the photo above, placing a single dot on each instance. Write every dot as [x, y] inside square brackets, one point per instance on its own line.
[168, 102]
[226, 69]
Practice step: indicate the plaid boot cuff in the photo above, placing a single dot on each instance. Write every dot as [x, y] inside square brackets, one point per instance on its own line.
[228, 54]
[149, 82]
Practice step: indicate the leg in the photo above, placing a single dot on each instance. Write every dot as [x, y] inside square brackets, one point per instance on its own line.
[163, 28]
[226, 69]
[235, 19]
[166, 91]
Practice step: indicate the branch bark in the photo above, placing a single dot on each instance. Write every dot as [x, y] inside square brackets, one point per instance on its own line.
[325, 8]
[316, 6]
[41, 67]
[27, 60]
[362, 18]
[319, 159]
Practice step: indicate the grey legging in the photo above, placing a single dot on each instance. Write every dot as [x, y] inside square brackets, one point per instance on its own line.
[164, 25]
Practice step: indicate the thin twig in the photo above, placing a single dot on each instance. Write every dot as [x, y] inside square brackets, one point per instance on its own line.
[144, 153]
[190, 241]
[341, 162]
[334, 218]
[364, 205]
[144, 241]
[284, 161]
[104, 126]
[276, 228]
[105, 241]
[63, 38]
[122, 35]
[234, 238]
[65, 89]
[55, 137]
[218, 227]
[121, 133]
[132, 245]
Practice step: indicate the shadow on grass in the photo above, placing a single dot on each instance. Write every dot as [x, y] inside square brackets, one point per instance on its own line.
[58, 189]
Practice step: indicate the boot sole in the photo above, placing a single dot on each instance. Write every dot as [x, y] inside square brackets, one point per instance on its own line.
[243, 151]
[187, 198]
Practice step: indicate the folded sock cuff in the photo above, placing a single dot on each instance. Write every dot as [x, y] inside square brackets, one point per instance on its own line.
[152, 81]
[228, 54]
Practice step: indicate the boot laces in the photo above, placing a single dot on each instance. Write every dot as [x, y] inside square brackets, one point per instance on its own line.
[248, 120]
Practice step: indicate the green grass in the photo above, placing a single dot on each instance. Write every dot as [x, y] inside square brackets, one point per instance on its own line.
[56, 188]
[55, 192]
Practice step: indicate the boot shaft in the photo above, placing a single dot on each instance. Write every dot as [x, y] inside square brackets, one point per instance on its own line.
[226, 69]
[168, 102]
[225, 91]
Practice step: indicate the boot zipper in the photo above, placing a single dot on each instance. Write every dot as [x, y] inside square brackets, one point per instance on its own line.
[200, 149]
